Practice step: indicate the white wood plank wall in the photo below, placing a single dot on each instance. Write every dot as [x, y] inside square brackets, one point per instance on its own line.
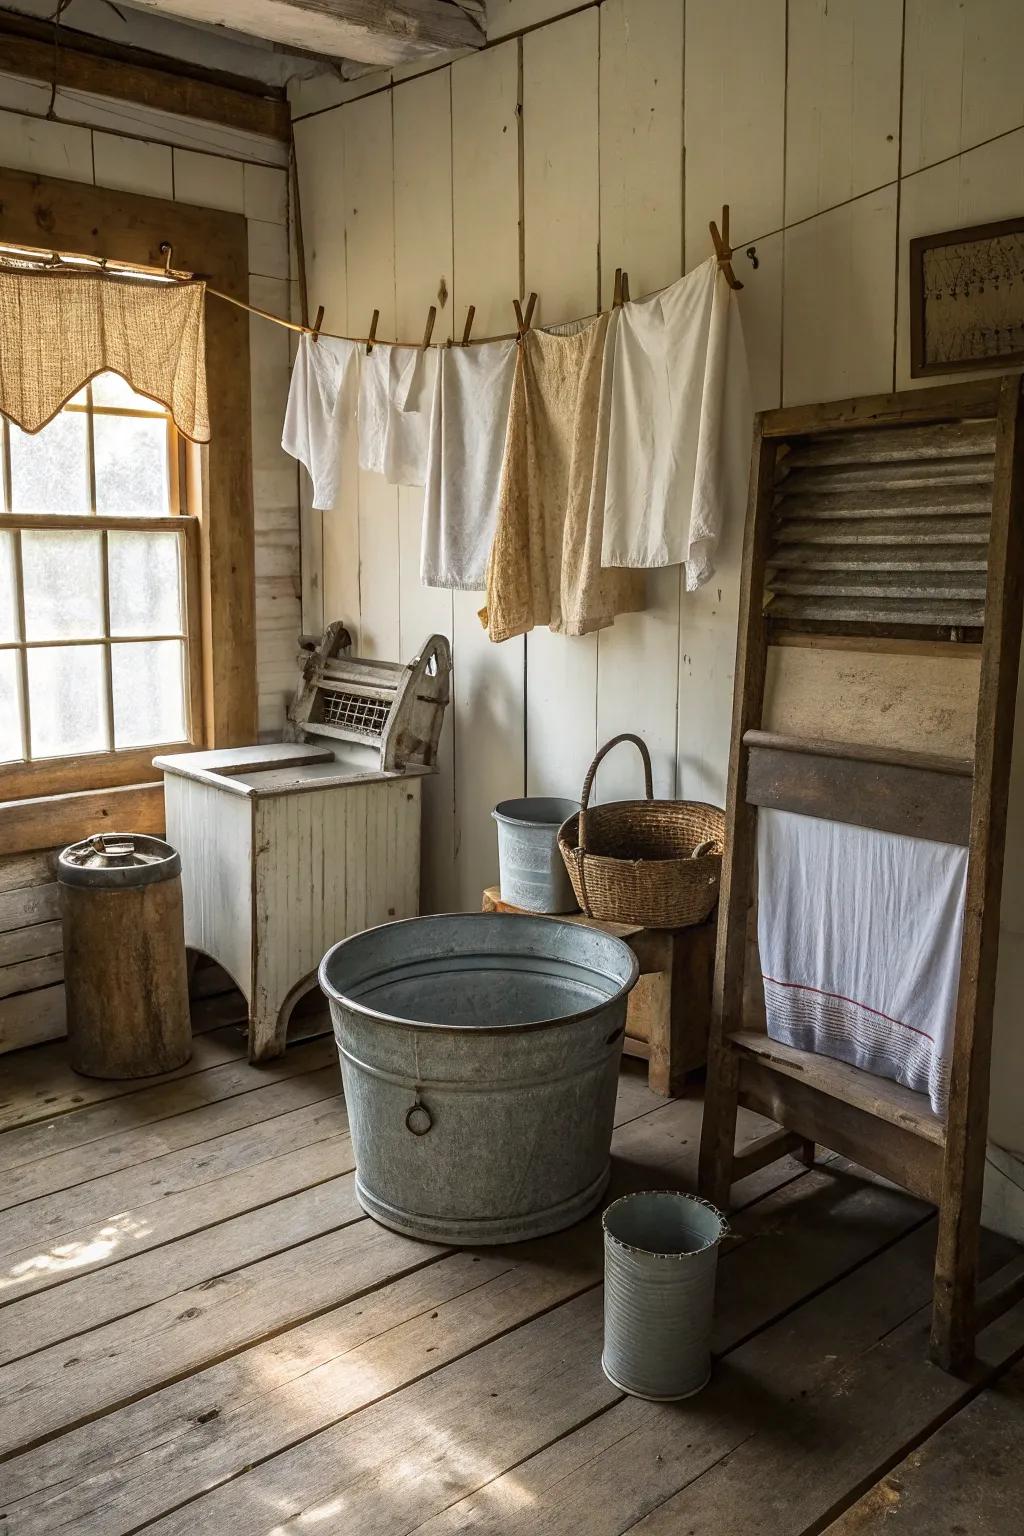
[609, 135]
[605, 136]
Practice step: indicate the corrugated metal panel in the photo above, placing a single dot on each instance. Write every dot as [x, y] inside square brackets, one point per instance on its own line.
[883, 527]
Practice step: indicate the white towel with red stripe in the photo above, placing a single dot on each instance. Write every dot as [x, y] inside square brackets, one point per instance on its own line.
[859, 933]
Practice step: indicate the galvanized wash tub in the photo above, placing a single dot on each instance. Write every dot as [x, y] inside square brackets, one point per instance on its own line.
[531, 869]
[480, 1058]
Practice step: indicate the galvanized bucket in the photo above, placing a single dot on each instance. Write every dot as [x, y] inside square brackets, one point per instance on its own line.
[660, 1260]
[530, 866]
[480, 1057]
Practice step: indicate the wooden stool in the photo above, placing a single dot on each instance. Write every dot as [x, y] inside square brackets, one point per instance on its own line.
[670, 1006]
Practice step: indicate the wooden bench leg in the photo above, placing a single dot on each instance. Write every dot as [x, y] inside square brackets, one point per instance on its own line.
[718, 1132]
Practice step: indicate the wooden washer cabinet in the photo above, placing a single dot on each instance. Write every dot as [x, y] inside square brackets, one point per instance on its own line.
[876, 673]
[289, 847]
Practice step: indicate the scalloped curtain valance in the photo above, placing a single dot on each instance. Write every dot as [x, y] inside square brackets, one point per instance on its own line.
[59, 329]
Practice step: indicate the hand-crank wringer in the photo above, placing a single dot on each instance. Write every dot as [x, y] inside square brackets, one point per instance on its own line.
[290, 846]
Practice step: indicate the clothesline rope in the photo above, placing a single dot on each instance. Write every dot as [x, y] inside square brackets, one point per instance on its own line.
[56, 261]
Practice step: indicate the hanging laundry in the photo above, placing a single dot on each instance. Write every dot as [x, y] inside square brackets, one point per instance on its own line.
[859, 933]
[679, 427]
[467, 441]
[545, 562]
[395, 399]
[321, 398]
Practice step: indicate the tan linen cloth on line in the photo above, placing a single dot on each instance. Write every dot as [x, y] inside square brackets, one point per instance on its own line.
[59, 329]
[545, 561]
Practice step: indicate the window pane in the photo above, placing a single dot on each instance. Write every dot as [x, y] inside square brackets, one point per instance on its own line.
[145, 584]
[149, 692]
[111, 389]
[67, 692]
[49, 471]
[8, 593]
[63, 582]
[10, 708]
[131, 466]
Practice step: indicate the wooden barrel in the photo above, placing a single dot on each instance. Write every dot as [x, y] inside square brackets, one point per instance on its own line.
[124, 956]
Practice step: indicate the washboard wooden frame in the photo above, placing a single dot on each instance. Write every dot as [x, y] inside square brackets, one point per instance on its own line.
[812, 1098]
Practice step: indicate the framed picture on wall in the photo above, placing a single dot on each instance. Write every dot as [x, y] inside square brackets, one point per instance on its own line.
[967, 299]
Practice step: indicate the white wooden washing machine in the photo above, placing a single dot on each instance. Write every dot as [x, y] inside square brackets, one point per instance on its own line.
[288, 847]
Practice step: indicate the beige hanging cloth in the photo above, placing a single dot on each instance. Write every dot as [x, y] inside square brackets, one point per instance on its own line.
[545, 562]
[59, 329]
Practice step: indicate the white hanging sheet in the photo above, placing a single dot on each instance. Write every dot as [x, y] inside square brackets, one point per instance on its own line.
[679, 427]
[321, 397]
[467, 441]
[859, 933]
[396, 392]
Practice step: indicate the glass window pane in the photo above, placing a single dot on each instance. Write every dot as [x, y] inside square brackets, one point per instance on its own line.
[67, 687]
[149, 692]
[111, 389]
[62, 572]
[10, 708]
[131, 466]
[8, 591]
[50, 470]
[145, 583]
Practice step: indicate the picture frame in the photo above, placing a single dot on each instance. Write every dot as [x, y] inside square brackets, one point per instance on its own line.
[967, 299]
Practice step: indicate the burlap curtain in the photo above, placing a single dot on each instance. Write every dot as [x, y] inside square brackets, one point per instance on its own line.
[59, 329]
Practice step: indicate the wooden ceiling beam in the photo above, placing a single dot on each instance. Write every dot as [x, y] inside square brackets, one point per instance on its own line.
[381, 32]
[127, 74]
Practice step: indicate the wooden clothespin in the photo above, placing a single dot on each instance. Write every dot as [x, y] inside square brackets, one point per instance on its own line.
[723, 250]
[617, 289]
[429, 330]
[523, 322]
[625, 287]
[372, 337]
[470, 312]
[318, 322]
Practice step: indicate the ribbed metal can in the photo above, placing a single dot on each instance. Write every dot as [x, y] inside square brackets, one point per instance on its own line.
[531, 869]
[660, 1262]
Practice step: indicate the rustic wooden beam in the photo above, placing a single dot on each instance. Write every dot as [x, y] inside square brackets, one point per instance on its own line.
[378, 32]
[104, 69]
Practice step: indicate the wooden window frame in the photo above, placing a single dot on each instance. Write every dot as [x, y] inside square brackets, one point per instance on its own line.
[74, 217]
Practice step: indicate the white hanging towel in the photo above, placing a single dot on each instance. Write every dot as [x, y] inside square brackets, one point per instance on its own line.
[859, 933]
[467, 440]
[396, 392]
[321, 399]
[679, 427]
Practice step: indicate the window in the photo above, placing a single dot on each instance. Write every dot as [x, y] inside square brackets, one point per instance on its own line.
[97, 578]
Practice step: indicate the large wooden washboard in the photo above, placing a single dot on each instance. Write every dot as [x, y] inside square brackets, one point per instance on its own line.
[886, 532]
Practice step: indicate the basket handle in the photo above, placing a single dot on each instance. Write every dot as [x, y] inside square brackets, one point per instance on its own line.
[588, 782]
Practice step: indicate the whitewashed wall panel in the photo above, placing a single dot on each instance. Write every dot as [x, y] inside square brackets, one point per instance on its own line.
[488, 680]
[842, 101]
[424, 276]
[561, 231]
[963, 76]
[840, 300]
[735, 118]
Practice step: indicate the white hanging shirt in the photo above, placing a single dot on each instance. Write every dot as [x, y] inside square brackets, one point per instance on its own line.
[679, 427]
[467, 441]
[859, 933]
[321, 398]
[396, 393]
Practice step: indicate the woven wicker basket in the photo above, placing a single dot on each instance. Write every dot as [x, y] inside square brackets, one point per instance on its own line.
[653, 862]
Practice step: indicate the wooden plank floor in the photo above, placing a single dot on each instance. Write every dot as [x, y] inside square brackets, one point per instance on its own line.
[200, 1332]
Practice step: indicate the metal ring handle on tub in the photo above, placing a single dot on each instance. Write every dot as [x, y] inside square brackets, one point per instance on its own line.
[419, 1119]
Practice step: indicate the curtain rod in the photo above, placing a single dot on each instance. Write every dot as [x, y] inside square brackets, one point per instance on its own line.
[109, 266]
